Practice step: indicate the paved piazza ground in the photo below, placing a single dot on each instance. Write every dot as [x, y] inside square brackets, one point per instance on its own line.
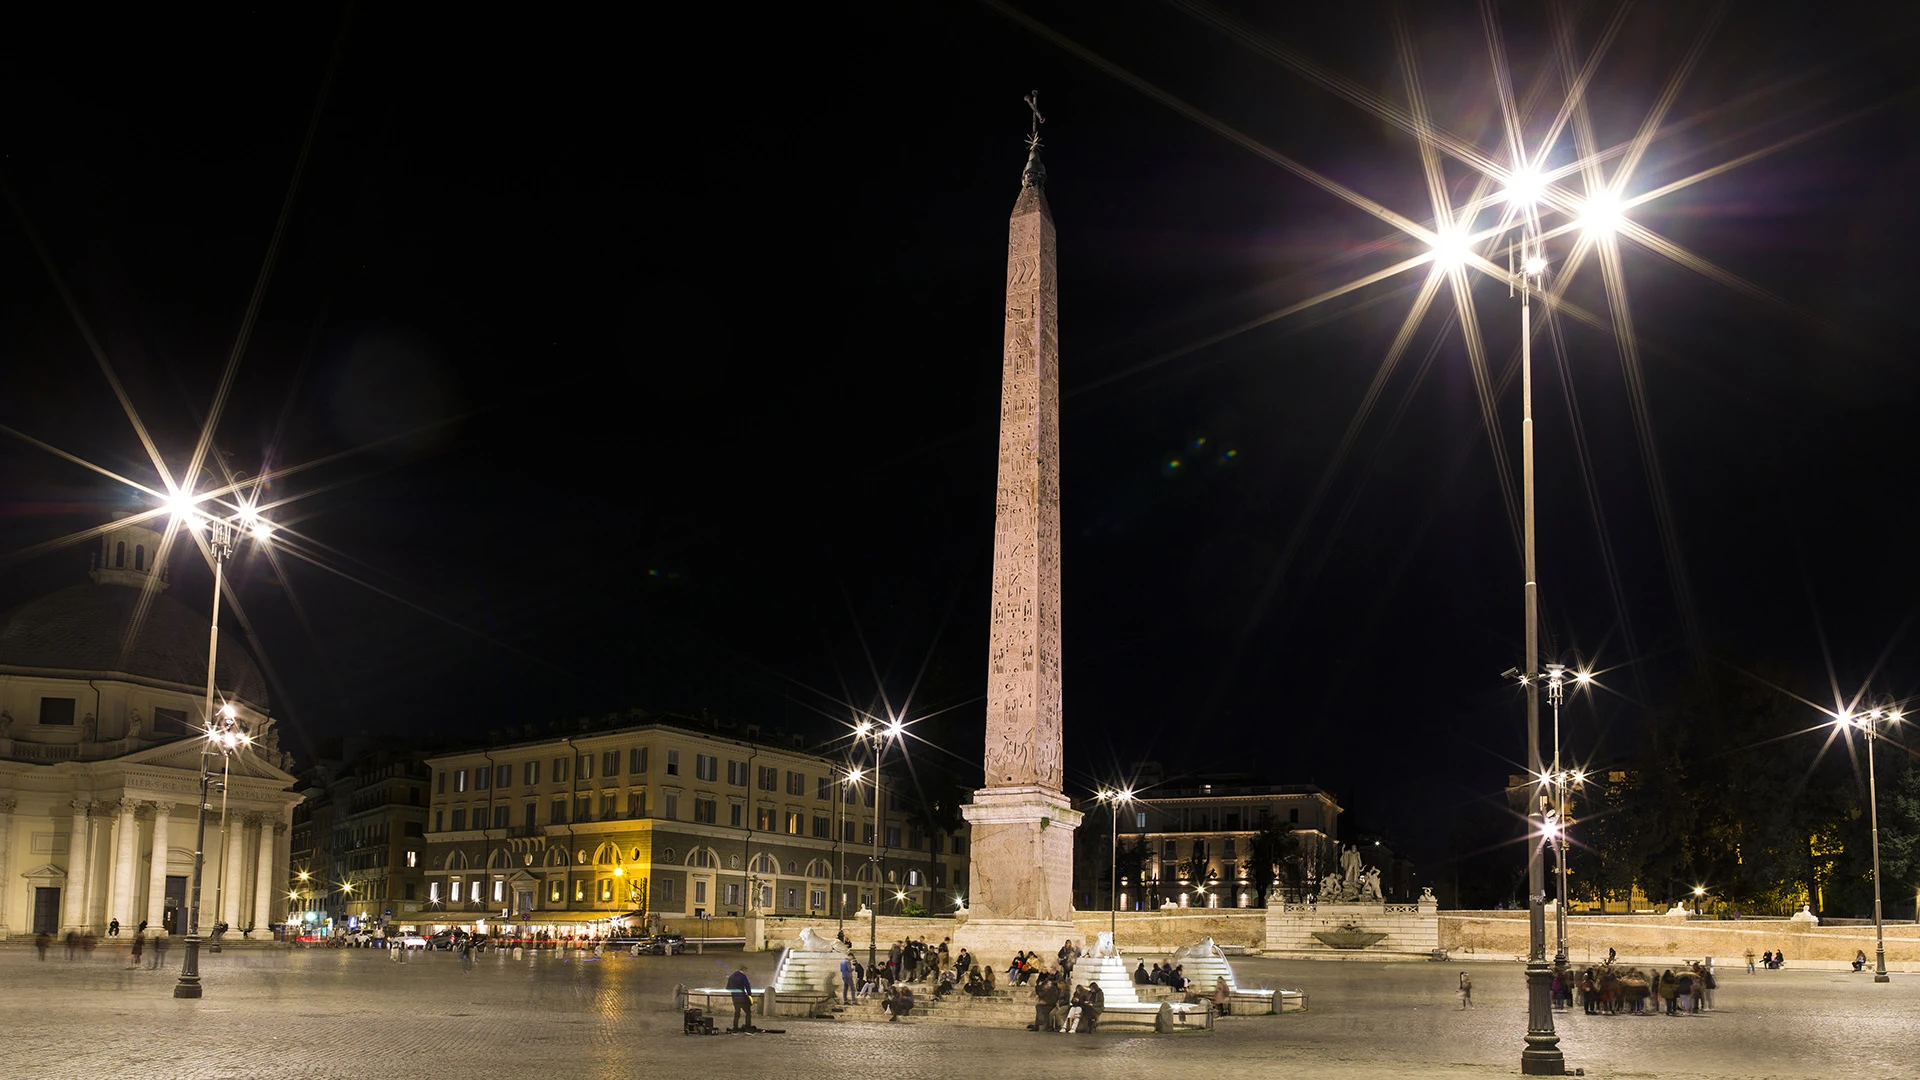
[352, 1013]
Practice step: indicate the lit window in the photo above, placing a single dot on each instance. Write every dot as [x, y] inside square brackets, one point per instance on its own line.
[433, 892]
[499, 890]
[413, 859]
[580, 890]
[456, 890]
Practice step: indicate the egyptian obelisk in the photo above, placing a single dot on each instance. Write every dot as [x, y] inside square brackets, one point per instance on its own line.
[1021, 866]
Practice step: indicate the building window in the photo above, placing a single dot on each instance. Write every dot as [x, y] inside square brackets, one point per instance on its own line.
[1227, 849]
[636, 804]
[606, 889]
[503, 776]
[482, 779]
[733, 895]
[706, 767]
[610, 763]
[557, 813]
[554, 895]
[559, 770]
[169, 721]
[637, 760]
[530, 773]
[673, 763]
[959, 847]
[57, 711]
[796, 784]
[500, 813]
[769, 778]
[433, 892]
[456, 890]
[120, 556]
[460, 780]
[413, 861]
[893, 836]
[673, 808]
[438, 820]
[866, 832]
[1140, 819]
[499, 890]
[795, 824]
[817, 900]
[412, 891]
[586, 767]
[530, 817]
[1293, 816]
[734, 813]
[737, 773]
[459, 819]
[823, 788]
[609, 806]
[763, 819]
[822, 827]
[666, 889]
[583, 808]
[793, 898]
[913, 839]
[846, 831]
[580, 890]
[705, 811]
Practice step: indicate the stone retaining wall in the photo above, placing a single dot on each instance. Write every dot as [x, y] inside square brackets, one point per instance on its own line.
[1663, 939]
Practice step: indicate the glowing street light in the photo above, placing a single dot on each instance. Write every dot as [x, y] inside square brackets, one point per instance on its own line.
[1869, 724]
[1451, 247]
[1525, 187]
[1114, 798]
[224, 731]
[1602, 213]
[879, 734]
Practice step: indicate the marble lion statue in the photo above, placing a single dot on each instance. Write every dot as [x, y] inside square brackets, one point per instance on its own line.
[811, 941]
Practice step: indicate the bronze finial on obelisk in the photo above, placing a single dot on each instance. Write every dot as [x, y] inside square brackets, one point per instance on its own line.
[1021, 871]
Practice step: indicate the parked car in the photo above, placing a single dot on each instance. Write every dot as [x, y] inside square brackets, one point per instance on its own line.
[361, 938]
[660, 945]
[408, 941]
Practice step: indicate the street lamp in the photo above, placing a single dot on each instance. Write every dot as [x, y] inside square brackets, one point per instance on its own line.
[1600, 215]
[223, 730]
[223, 733]
[1868, 724]
[849, 781]
[879, 733]
[1113, 799]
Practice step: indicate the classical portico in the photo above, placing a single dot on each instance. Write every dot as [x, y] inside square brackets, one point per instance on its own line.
[102, 695]
[1021, 875]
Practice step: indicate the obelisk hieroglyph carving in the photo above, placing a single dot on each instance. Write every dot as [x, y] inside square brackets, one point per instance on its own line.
[1021, 880]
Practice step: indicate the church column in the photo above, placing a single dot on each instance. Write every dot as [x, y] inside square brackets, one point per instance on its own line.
[157, 878]
[263, 874]
[73, 915]
[230, 884]
[282, 876]
[6, 860]
[125, 855]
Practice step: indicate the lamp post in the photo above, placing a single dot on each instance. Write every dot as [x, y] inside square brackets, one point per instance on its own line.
[223, 730]
[1453, 247]
[849, 778]
[878, 734]
[1113, 799]
[1868, 724]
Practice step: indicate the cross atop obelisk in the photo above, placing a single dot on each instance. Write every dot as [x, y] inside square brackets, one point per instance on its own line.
[1021, 880]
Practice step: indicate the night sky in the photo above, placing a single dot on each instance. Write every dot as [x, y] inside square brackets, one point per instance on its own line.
[661, 360]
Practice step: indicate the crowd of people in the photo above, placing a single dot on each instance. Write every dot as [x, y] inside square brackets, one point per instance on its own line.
[1163, 974]
[1609, 989]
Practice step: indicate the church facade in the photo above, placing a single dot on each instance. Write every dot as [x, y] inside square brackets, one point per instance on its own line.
[102, 701]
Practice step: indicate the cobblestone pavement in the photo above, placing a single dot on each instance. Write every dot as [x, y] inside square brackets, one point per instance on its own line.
[352, 1013]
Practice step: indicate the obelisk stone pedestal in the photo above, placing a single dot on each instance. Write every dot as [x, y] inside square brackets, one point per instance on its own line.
[1021, 867]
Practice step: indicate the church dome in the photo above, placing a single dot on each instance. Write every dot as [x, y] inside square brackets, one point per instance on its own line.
[80, 632]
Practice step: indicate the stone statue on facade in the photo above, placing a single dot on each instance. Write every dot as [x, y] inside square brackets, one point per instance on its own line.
[133, 725]
[1350, 863]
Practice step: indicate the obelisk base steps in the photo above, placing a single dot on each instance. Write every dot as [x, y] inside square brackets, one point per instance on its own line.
[1020, 874]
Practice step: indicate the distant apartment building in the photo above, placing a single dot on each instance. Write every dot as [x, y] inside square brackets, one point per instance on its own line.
[1196, 836]
[678, 818]
[359, 841]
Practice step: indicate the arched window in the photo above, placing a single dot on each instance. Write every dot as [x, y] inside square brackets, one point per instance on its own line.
[607, 855]
[556, 857]
[703, 857]
[139, 556]
[913, 877]
[763, 864]
[866, 873]
[819, 868]
[120, 555]
[790, 866]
